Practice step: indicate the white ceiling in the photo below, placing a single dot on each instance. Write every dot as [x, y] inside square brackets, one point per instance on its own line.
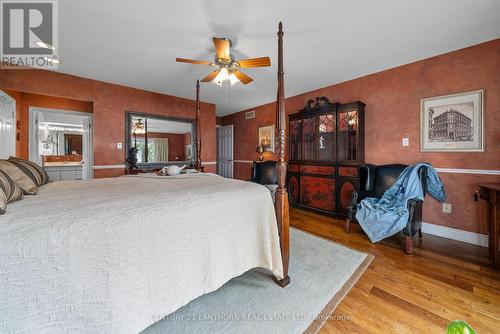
[135, 43]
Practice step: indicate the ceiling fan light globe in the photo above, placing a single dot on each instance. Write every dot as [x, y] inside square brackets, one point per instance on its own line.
[233, 79]
[221, 77]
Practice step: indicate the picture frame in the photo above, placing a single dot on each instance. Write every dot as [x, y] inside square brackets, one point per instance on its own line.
[452, 123]
[267, 138]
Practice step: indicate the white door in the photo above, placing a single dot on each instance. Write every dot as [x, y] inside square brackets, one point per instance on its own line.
[225, 151]
[7, 126]
[87, 149]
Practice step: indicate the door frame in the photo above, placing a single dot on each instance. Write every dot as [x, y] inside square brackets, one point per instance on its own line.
[87, 140]
[219, 129]
[14, 124]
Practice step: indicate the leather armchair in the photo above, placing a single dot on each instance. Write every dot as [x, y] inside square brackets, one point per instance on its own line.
[374, 181]
[264, 172]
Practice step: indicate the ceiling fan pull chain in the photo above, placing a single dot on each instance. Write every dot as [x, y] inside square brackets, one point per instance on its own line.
[226, 97]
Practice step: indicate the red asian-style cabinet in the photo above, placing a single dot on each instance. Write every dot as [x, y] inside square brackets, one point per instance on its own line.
[326, 142]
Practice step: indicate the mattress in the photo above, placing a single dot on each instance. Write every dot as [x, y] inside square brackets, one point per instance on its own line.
[116, 255]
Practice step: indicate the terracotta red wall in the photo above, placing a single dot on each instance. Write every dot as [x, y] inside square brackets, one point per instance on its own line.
[392, 100]
[109, 103]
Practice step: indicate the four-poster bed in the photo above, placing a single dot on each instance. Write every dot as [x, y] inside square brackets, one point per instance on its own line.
[281, 198]
[281, 201]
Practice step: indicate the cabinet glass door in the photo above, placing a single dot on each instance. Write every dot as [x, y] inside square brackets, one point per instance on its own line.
[348, 136]
[326, 140]
[308, 138]
[295, 140]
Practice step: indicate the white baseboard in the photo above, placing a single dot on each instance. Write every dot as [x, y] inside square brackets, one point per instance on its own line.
[456, 234]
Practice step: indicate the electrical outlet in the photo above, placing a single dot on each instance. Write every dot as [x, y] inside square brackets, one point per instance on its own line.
[446, 207]
[119, 146]
[406, 141]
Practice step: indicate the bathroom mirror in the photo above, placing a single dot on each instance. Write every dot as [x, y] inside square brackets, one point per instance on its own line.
[154, 141]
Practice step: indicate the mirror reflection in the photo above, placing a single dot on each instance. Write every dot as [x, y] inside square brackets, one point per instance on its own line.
[159, 141]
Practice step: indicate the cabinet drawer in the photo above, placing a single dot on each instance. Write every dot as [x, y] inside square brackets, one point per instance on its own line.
[67, 174]
[317, 192]
[323, 170]
[294, 168]
[348, 171]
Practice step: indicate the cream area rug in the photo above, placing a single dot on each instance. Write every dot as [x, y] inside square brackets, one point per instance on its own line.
[321, 272]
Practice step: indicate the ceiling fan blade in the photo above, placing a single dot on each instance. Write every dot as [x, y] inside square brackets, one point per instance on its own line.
[211, 76]
[255, 62]
[245, 79]
[222, 47]
[191, 61]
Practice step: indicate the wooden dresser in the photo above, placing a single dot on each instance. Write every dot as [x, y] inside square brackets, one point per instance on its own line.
[326, 142]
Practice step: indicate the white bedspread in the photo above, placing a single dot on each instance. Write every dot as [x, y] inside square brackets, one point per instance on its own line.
[116, 255]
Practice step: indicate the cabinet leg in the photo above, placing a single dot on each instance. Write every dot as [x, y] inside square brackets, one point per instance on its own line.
[409, 245]
[348, 225]
[420, 233]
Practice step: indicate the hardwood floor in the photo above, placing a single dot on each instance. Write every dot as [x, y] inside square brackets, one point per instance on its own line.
[443, 281]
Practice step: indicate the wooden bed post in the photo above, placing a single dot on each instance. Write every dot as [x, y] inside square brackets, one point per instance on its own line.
[281, 204]
[197, 165]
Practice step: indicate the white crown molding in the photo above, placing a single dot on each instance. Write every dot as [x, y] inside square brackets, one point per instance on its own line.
[108, 167]
[455, 234]
[244, 161]
[468, 171]
[209, 163]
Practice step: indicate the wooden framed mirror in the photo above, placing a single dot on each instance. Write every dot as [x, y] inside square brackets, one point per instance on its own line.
[154, 141]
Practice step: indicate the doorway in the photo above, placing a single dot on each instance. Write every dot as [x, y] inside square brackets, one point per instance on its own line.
[61, 142]
[225, 161]
[7, 126]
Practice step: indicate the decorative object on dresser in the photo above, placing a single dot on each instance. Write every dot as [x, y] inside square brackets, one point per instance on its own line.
[374, 181]
[452, 123]
[490, 193]
[260, 150]
[326, 149]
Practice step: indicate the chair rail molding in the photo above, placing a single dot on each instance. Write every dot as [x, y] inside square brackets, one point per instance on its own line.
[108, 166]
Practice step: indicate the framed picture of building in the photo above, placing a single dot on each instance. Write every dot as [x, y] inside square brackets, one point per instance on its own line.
[452, 123]
[266, 138]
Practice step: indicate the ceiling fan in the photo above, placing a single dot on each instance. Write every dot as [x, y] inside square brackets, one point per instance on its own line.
[227, 67]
